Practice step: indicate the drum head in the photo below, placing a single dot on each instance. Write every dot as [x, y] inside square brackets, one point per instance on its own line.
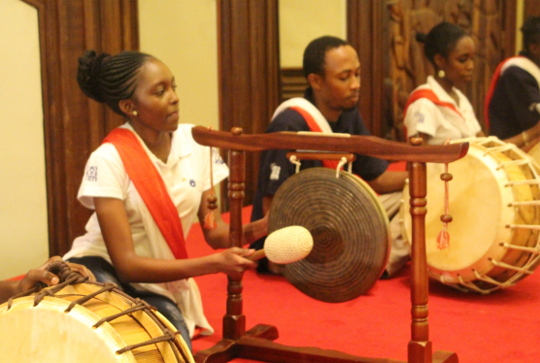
[351, 237]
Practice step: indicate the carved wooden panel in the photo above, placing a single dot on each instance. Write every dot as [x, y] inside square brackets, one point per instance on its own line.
[491, 24]
[531, 8]
[73, 124]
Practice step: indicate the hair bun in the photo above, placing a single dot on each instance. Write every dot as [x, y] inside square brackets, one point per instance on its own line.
[89, 74]
[421, 37]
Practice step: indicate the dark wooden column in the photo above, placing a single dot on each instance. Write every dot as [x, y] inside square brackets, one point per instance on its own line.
[365, 22]
[73, 124]
[249, 72]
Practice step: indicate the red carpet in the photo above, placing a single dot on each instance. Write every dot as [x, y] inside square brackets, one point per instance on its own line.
[501, 327]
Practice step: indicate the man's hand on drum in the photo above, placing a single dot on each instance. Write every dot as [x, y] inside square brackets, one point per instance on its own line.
[40, 274]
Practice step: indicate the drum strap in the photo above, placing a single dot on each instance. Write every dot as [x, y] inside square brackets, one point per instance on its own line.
[150, 185]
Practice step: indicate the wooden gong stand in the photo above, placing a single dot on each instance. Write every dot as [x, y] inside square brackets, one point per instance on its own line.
[257, 343]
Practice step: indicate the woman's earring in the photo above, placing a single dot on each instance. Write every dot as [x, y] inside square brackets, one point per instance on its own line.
[441, 73]
[135, 113]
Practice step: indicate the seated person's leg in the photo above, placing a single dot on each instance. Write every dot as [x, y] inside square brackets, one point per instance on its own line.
[169, 310]
[102, 270]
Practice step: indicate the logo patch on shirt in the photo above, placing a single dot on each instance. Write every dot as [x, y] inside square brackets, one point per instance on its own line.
[216, 157]
[91, 173]
[192, 183]
[421, 118]
[276, 169]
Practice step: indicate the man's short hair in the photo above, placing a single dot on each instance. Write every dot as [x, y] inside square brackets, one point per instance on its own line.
[531, 32]
[316, 51]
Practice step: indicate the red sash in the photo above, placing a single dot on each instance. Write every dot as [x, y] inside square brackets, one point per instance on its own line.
[430, 95]
[150, 185]
[314, 127]
[491, 89]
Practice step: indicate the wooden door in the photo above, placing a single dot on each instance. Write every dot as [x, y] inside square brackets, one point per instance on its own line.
[73, 124]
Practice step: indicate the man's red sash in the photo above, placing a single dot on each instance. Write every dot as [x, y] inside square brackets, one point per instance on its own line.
[150, 185]
[314, 127]
[491, 89]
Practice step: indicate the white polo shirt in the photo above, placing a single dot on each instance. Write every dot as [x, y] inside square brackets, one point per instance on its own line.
[186, 175]
[441, 122]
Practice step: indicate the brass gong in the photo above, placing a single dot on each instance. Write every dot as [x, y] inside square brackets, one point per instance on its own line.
[350, 229]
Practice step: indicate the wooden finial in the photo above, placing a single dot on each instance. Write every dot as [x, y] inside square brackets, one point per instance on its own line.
[416, 141]
[237, 131]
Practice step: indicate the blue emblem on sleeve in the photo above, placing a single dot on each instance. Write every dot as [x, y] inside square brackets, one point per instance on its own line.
[217, 158]
[91, 173]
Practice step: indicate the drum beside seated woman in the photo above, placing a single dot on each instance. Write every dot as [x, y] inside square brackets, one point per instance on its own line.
[437, 110]
[147, 182]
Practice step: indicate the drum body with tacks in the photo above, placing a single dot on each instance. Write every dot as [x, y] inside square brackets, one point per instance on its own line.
[351, 237]
[494, 199]
[107, 327]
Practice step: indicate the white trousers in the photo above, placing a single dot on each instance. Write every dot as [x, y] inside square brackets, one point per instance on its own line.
[400, 251]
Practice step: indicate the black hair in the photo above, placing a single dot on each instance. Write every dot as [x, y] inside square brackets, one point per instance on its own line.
[441, 39]
[316, 51]
[531, 32]
[110, 79]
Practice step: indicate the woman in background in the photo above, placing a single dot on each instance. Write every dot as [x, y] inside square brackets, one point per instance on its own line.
[437, 110]
[147, 183]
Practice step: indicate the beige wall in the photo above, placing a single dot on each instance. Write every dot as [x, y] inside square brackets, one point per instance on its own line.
[301, 21]
[183, 34]
[23, 204]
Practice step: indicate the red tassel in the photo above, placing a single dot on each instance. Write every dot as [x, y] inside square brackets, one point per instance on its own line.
[443, 239]
[209, 221]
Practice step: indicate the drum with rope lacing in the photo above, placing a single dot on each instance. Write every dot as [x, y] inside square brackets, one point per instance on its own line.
[86, 322]
[494, 199]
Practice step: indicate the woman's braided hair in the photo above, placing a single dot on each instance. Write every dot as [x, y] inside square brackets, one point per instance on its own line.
[110, 79]
[441, 39]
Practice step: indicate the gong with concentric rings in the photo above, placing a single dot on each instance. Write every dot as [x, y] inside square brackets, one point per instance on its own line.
[350, 229]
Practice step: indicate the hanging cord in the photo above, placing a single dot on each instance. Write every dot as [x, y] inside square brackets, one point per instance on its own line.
[209, 220]
[342, 162]
[443, 239]
[293, 159]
